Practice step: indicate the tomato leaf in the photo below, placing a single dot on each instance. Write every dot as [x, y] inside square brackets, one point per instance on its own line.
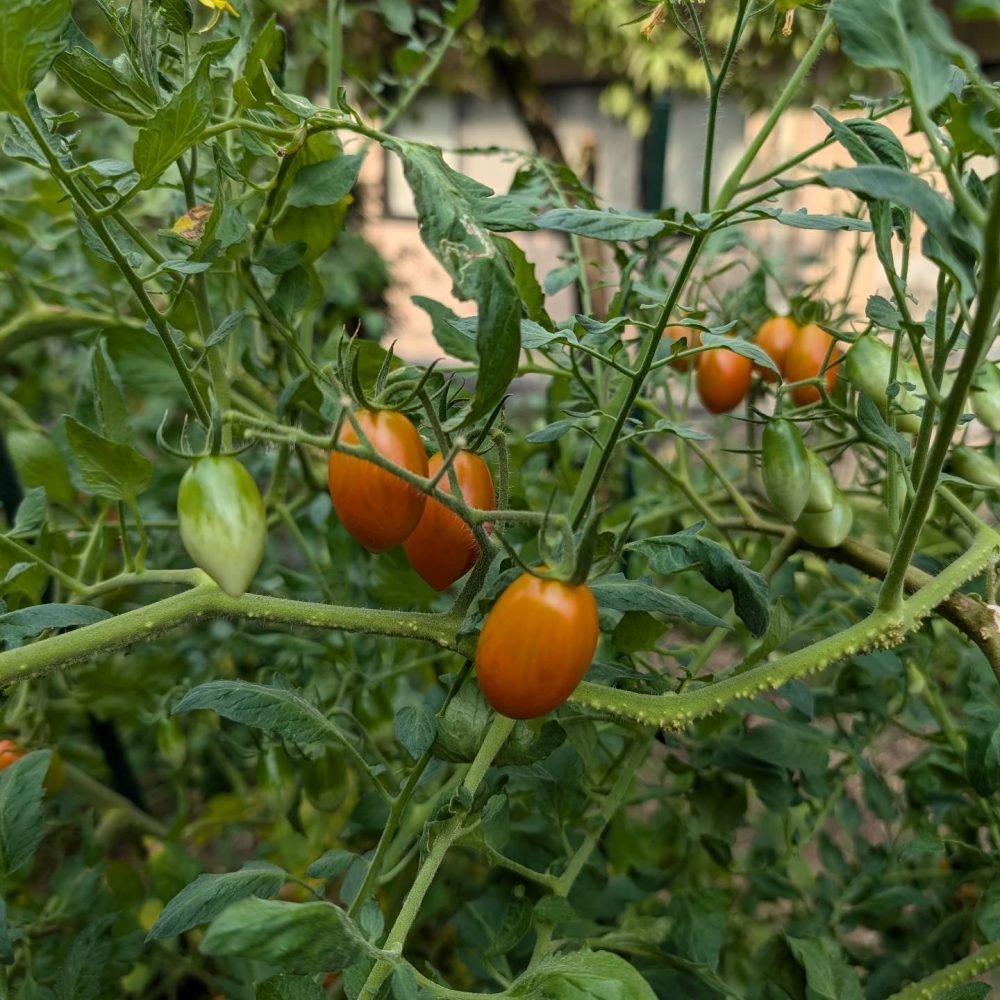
[31, 35]
[113, 88]
[415, 729]
[16, 626]
[877, 430]
[333, 862]
[448, 207]
[290, 988]
[582, 975]
[21, 792]
[295, 937]
[276, 709]
[175, 126]
[828, 975]
[618, 594]
[208, 895]
[108, 468]
[326, 182]
[669, 554]
[602, 225]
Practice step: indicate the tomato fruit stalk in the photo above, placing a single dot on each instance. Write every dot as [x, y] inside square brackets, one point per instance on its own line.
[222, 521]
[442, 547]
[376, 507]
[785, 468]
[536, 645]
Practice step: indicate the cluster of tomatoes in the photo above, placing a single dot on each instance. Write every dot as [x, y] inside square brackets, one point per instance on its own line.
[539, 637]
[801, 354]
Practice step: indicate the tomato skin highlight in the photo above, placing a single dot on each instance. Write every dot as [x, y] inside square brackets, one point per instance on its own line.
[775, 337]
[222, 521]
[376, 507]
[785, 468]
[723, 379]
[442, 547]
[693, 337]
[805, 360]
[536, 645]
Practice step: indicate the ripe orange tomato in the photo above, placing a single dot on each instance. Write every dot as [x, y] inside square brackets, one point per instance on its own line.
[689, 333]
[775, 337]
[723, 379]
[805, 360]
[378, 508]
[9, 753]
[536, 645]
[442, 547]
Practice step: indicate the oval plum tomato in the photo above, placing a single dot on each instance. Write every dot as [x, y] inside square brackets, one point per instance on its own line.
[9, 753]
[536, 645]
[827, 529]
[222, 521]
[378, 508]
[985, 395]
[785, 468]
[774, 338]
[689, 333]
[442, 547]
[723, 379]
[805, 360]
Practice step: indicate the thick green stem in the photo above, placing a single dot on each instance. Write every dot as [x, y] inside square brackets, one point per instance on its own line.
[979, 339]
[785, 98]
[493, 741]
[960, 972]
[207, 601]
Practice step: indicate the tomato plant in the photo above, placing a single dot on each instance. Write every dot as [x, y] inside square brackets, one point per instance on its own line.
[740, 741]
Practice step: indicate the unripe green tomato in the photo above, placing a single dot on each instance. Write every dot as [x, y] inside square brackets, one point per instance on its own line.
[325, 781]
[985, 395]
[975, 467]
[868, 363]
[822, 488]
[786, 469]
[222, 521]
[829, 528]
[276, 780]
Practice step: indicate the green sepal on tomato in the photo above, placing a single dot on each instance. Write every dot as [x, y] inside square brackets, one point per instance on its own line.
[375, 506]
[442, 547]
[536, 645]
[222, 520]
[868, 364]
[785, 468]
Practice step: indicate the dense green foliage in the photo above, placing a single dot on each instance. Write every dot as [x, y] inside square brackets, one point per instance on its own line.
[780, 776]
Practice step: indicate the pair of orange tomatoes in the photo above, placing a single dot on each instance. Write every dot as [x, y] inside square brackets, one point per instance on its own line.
[723, 377]
[382, 510]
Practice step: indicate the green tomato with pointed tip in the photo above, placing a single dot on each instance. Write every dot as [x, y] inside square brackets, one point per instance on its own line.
[827, 529]
[985, 395]
[222, 521]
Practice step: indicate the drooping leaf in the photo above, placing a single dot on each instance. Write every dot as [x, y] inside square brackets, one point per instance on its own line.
[619, 594]
[31, 36]
[109, 469]
[21, 792]
[208, 895]
[582, 975]
[16, 626]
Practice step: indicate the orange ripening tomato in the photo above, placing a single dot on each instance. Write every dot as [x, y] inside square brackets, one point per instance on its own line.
[378, 508]
[805, 360]
[775, 337]
[536, 645]
[723, 379]
[442, 547]
[9, 753]
[689, 333]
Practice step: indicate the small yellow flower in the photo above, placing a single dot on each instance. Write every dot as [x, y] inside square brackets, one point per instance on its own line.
[217, 7]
